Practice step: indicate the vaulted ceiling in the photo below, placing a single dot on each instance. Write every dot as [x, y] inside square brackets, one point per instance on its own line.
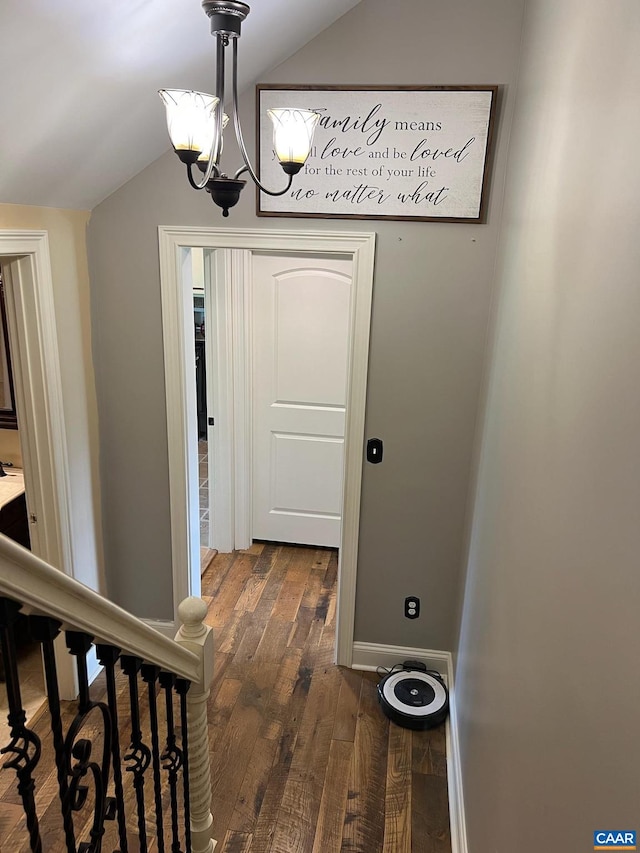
[79, 113]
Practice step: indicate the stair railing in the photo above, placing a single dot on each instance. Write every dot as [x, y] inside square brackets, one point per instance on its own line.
[166, 683]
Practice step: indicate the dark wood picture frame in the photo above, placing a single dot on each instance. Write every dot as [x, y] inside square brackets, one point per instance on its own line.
[288, 206]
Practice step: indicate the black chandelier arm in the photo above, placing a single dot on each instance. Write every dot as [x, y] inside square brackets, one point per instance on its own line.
[222, 42]
[236, 122]
[214, 172]
[192, 181]
[263, 188]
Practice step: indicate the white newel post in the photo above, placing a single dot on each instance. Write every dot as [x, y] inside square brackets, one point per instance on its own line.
[198, 637]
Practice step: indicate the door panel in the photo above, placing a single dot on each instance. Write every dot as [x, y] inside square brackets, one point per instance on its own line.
[300, 330]
[311, 332]
[300, 459]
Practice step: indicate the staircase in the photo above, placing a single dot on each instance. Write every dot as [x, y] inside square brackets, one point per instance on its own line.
[148, 793]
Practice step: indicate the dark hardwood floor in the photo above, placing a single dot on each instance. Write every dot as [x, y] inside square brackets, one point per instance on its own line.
[303, 760]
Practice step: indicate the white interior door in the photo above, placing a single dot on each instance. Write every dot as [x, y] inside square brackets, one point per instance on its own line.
[300, 310]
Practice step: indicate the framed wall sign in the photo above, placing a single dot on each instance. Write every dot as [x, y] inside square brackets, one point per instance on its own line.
[384, 152]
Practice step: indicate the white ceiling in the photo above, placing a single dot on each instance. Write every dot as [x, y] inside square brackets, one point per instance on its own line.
[79, 113]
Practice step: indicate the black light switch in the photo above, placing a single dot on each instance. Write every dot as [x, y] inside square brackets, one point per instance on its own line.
[374, 450]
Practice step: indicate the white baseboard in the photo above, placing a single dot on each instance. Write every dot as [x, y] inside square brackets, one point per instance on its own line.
[454, 773]
[369, 656]
[166, 627]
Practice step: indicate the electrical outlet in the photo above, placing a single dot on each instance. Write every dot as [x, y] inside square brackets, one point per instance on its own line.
[412, 607]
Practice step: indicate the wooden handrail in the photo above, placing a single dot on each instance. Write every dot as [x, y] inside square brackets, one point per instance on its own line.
[47, 591]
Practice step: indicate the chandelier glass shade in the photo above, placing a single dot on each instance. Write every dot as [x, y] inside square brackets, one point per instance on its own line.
[196, 120]
[293, 131]
[191, 118]
[206, 152]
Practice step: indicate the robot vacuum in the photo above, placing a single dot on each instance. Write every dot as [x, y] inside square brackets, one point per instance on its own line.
[413, 696]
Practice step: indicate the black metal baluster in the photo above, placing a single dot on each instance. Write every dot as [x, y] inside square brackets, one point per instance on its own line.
[79, 644]
[182, 688]
[172, 755]
[108, 657]
[150, 675]
[44, 630]
[139, 753]
[25, 744]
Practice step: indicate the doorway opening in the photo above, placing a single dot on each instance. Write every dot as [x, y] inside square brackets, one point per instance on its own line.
[192, 281]
[14, 523]
[228, 259]
[28, 287]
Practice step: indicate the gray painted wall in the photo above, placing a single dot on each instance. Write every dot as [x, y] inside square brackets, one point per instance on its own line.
[432, 293]
[547, 676]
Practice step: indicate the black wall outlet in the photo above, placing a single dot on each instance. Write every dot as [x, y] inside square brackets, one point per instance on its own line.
[412, 607]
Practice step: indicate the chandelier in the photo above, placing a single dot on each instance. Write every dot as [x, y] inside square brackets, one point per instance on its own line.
[196, 120]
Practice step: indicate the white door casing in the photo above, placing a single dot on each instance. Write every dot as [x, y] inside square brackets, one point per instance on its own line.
[38, 389]
[357, 246]
[300, 344]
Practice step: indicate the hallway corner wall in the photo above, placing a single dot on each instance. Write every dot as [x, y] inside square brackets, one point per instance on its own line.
[547, 683]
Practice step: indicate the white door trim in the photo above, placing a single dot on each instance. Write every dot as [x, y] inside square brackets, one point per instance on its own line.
[241, 271]
[181, 421]
[38, 389]
[360, 247]
[219, 316]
